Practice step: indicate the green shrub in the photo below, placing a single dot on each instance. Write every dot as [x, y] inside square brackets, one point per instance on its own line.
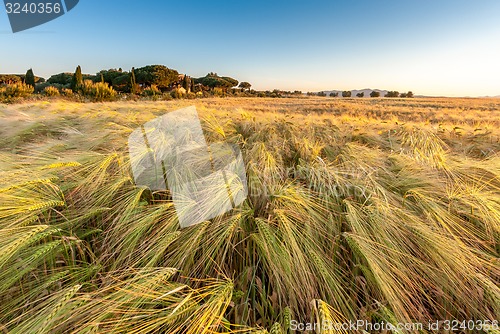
[40, 87]
[61, 79]
[167, 97]
[151, 91]
[51, 91]
[67, 92]
[178, 93]
[99, 91]
[218, 92]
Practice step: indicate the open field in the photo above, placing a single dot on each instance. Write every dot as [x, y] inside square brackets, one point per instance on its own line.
[359, 209]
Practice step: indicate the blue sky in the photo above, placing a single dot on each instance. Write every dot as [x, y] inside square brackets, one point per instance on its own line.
[438, 47]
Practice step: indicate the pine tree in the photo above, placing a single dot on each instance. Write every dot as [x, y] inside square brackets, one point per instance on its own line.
[29, 79]
[77, 80]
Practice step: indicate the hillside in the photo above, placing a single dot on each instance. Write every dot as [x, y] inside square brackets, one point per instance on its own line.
[366, 91]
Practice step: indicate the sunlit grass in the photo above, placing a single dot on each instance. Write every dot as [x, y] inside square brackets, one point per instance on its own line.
[380, 210]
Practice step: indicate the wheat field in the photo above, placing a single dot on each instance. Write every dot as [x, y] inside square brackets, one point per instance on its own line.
[373, 209]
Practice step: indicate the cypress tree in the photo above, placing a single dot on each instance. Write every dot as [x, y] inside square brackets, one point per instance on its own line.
[29, 79]
[133, 84]
[77, 80]
[187, 83]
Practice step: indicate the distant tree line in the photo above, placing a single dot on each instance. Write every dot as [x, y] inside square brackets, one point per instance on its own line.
[373, 93]
[152, 81]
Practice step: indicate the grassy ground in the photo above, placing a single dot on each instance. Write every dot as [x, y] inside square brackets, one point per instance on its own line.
[373, 209]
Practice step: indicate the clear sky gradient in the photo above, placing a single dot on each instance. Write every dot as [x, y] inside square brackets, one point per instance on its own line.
[432, 47]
